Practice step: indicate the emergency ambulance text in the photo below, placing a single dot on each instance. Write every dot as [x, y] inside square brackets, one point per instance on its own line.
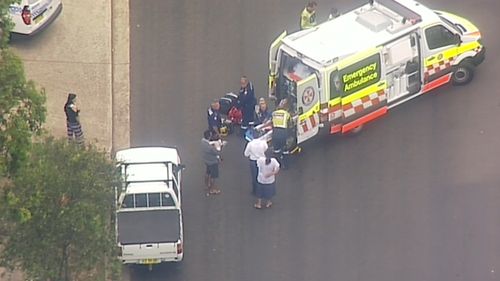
[360, 77]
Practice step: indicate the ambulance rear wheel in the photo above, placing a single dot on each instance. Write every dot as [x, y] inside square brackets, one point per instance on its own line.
[463, 73]
[357, 130]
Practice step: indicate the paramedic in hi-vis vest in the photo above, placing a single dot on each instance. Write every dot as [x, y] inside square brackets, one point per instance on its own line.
[282, 130]
[308, 16]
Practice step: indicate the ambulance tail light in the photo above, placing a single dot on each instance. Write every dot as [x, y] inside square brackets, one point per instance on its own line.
[26, 15]
[179, 248]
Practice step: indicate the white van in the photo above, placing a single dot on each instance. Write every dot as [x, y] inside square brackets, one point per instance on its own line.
[31, 16]
[149, 228]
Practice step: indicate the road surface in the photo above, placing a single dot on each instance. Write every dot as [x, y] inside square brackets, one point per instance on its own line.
[415, 196]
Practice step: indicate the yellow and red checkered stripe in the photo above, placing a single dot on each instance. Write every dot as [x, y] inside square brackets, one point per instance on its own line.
[335, 112]
[438, 67]
[363, 103]
[308, 123]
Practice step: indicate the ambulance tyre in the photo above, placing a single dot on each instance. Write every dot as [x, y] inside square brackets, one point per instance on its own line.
[356, 130]
[463, 73]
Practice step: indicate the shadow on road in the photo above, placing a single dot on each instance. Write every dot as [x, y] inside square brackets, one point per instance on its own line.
[165, 270]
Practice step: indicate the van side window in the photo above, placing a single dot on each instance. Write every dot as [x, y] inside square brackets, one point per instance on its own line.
[128, 201]
[335, 85]
[141, 200]
[167, 200]
[439, 36]
[154, 199]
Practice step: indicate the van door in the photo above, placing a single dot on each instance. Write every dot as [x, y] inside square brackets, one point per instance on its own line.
[307, 108]
[402, 67]
[273, 63]
[441, 49]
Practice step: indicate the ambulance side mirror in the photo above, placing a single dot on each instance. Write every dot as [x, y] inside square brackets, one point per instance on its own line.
[457, 39]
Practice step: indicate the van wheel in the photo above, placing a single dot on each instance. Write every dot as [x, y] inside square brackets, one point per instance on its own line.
[463, 73]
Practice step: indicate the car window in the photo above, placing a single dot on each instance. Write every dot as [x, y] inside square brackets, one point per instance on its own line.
[154, 199]
[141, 200]
[128, 201]
[439, 36]
[167, 200]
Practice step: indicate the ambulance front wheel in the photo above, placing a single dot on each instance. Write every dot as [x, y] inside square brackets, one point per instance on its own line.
[463, 73]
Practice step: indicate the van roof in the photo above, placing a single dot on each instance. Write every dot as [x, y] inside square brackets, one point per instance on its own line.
[148, 172]
[148, 155]
[148, 187]
[359, 29]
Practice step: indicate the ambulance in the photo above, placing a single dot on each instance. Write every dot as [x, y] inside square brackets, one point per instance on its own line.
[352, 69]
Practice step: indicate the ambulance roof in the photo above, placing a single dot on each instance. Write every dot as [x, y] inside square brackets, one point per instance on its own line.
[362, 28]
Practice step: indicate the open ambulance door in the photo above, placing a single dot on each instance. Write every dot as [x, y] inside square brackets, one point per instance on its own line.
[307, 108]
[273, 63]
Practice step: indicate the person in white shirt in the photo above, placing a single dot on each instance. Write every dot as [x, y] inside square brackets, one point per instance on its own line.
[268, 167]
[254, 150]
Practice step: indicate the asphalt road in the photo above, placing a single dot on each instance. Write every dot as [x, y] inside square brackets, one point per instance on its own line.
[414, 196]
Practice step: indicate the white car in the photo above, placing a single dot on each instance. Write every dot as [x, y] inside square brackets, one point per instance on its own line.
[31, 16]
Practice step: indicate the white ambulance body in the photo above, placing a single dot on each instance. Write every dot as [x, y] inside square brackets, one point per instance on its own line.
[352, 69]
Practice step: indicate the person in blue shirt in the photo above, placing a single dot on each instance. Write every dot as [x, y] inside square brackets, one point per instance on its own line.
[214, 118]
[246, 102]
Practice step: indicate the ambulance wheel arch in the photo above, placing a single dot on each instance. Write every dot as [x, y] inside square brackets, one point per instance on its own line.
[463, 72]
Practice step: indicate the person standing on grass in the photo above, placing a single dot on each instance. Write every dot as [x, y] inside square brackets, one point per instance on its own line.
[73, 126]
[268, 168]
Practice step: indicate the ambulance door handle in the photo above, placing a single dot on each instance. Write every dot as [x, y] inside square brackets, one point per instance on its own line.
[431, 58]
[301, 110]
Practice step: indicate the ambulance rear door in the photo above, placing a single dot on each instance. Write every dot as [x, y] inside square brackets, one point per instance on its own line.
[273, 63]
[307, 107]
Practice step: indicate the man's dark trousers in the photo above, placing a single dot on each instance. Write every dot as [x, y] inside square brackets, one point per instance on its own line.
[253, 173]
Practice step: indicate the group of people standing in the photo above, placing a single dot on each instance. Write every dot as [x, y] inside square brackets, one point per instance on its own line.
[263, 166]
